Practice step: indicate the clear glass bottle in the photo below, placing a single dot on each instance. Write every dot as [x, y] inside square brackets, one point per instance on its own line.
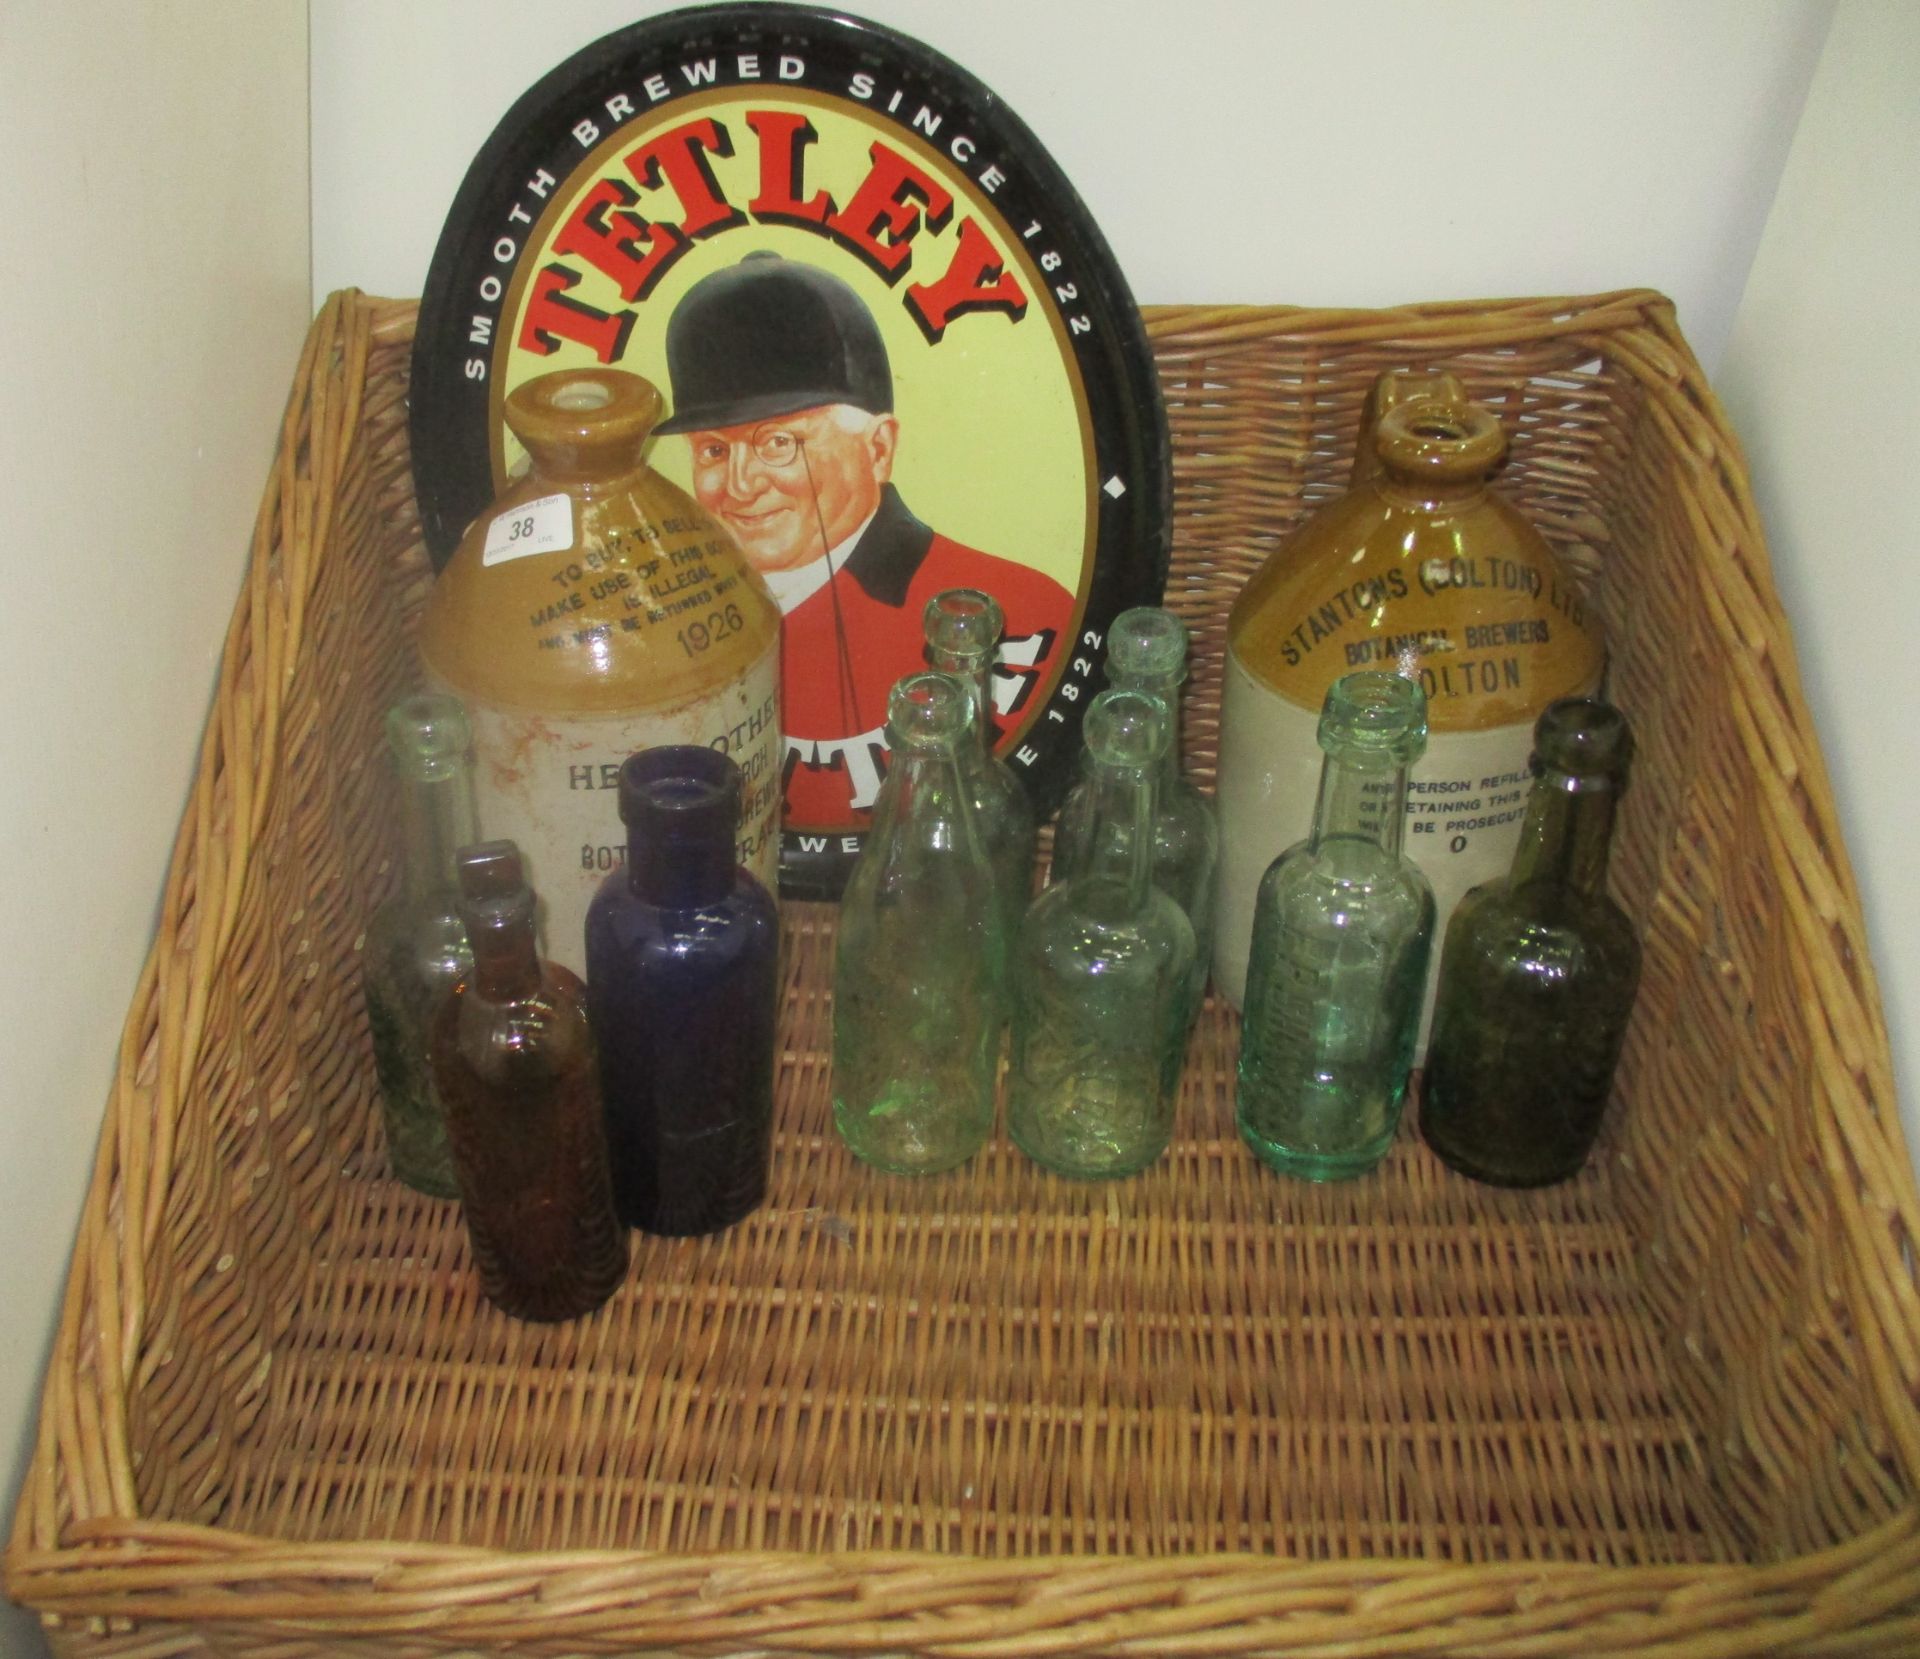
[1538, 973]
[920, 965]
[416, 945]
[1102, 973]
[1424, 568]
[683, 989]
[963, 627]
[597, 609]
[513, 1063]
[1147, 651]
[1341, 932]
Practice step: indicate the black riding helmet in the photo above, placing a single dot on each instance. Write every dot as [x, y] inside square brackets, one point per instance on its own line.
[766, 337]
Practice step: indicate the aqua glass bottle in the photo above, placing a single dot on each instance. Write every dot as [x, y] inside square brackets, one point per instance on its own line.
[1147, 651]
[920, 961]
[416, 945]
[1538, 973]
[1342, 927]
[1102, 973]
[963, 627]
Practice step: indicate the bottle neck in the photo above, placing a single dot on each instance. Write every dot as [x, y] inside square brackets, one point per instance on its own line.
[1167, 688]
[680, 874]
[975, 672]
[506, 962]
[1433, 495]
[1567, 834]
[1125, 799]
[924, 805]
[1360, 803]
[588, 467]
[437, 817]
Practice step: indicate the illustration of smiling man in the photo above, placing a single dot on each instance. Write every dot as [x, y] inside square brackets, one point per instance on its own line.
[781, 384]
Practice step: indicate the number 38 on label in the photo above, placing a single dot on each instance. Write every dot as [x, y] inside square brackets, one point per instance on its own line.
[529, 527]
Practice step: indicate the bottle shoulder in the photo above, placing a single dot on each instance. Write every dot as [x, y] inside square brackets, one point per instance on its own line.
[1090, 918]
[1352, 868]
[1542, 934]
[527, 1042]
[918, 864]
[651, 604]
[622, 926]
[1466, 594]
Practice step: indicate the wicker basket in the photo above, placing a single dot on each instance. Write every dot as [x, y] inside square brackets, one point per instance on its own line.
[1667, 1408]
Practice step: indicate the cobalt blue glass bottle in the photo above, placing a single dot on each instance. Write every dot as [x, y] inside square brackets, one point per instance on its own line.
[683, 949]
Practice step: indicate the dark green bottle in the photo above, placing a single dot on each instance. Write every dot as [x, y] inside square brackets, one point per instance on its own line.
[1538, 973]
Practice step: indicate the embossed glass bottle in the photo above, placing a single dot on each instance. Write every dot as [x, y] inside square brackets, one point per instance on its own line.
[416, 945]
[513, 1062]
[683, 950]
[1341, 932]
[1147, 651]
[1102, 973]
[594, 610]
[1538, 973]
[963, 627]
[919, 968]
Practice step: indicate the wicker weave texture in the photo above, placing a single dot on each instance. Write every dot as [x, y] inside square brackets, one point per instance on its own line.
[1667, 1408]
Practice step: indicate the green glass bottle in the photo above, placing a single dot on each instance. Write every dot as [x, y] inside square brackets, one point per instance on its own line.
[416, 945]
[1538, 973]
[920, 961]
[1102, 972]
[1147, 651]
[963, 627]
[1341, 930]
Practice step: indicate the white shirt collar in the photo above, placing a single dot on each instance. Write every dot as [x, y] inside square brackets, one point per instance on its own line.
[793, 588]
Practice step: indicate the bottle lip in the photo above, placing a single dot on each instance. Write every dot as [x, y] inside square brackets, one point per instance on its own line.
[963, 625]
[429, 736]
[929, 710]
[586, 408]
[681, 792]
[1128, 728]
[493, 886]
[1374, 717]
[1147, 642]
[1586, 743]
[1432, 440]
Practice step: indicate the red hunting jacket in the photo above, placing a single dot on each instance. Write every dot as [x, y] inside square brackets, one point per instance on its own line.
[844, 646]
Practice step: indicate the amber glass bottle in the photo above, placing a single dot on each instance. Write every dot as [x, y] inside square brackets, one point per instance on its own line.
[1425, 570]
[514, 1066]
[596, 610]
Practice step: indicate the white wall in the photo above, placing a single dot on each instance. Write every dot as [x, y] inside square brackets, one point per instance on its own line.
[153, 294]
[1363, 153]
[1822, 379]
